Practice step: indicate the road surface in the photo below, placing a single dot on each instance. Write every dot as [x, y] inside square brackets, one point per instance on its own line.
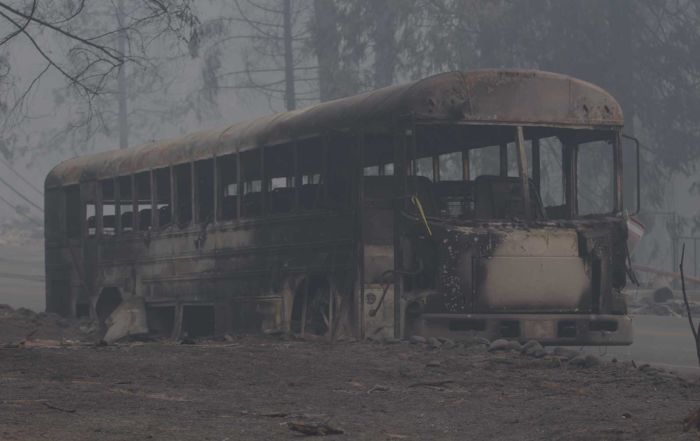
[659, 340]
[22, 276]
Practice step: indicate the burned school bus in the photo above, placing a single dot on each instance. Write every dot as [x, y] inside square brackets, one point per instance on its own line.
[486, 202]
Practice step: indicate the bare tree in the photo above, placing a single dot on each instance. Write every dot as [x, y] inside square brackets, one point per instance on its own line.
[88, 52]
[695, 331]
[326, 41]
[298, 52]
[123, 37]
[276, 62]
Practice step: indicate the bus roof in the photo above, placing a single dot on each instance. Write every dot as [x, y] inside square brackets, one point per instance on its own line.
[526, 97]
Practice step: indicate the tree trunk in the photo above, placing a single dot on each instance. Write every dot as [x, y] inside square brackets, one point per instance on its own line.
[384, 42]
[621, 22]
[326, 44]
[123, 123]
[290, 94]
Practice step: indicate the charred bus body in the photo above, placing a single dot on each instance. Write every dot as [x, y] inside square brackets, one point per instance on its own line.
[458, 204]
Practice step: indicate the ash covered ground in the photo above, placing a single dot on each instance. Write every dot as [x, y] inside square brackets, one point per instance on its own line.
[57, 383]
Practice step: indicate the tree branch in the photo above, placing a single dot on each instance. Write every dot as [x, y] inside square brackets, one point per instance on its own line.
[687, 307]
[108, 51]
[20, 30]
[73, 79]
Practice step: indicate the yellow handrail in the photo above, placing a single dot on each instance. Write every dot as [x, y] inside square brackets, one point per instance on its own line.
[419, 206]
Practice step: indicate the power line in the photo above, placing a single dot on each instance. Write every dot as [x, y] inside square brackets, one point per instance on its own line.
[24, 277]
[20, 261]
[19, 212]
[17, 192]
[25, 180]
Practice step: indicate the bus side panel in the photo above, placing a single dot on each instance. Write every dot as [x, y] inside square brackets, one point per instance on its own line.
[240, 270]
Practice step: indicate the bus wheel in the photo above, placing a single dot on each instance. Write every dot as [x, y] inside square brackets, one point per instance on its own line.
[311, 308]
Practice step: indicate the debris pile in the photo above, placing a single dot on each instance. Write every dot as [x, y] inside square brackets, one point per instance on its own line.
[531, 349]
[23, 327]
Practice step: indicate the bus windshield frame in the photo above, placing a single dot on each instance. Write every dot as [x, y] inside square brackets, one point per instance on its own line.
[568, 173]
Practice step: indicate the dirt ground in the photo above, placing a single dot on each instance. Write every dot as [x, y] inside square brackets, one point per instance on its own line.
[251, 388]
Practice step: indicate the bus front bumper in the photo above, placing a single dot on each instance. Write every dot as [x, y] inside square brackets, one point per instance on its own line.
[548, 329]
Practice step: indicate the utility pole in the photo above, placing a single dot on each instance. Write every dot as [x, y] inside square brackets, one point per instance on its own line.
[123, 124]
[289, 93]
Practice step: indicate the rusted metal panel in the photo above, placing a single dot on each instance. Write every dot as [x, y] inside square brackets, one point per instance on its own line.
[537, 97]
[548, 329]
[535, 242]
[490, 96]
[379, 310]
[378, 260]
[574, 267]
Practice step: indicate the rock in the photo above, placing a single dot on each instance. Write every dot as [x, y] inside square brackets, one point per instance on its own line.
[539, 353]
[434, 343]
[375, 338]
[475, 349]
[586, 361]
[515, 346]
[499, 345]
[566, 353]
[534, 349]
[448, 343]
[504, 345]
[391, 341]
[89, 329]
[592, 361]
[530, 344]
[418, 340]
[579, 361]
[228, 337]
